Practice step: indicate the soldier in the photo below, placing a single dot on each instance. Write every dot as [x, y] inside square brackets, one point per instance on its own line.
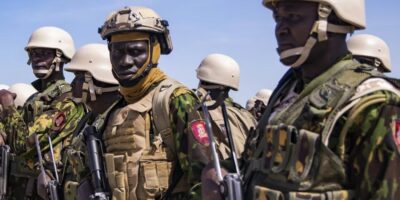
[250, 104]
[218, 74]
[372, 50]
[262, 98]
[155, 140]
[93, 85]
[331, 127]
[49, 48]
[23, 91]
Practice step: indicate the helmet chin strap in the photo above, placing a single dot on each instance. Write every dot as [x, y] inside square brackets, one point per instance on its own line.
[55, 65]
[93, 90]
[146, 71]
[318, 33]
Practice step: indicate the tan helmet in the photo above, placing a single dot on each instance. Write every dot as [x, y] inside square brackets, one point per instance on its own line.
[373, 47]
[219, 69]
[263, 95]
[54, 38]
[138, 19]
[5, 87]
[349, 11]
[250, 103]
[94, 60]
[23, 91]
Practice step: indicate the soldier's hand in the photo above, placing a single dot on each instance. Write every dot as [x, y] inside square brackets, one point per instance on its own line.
[7, 98]
[42, 185]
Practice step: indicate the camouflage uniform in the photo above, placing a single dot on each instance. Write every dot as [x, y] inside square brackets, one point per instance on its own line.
[18, 125]
[336, 137]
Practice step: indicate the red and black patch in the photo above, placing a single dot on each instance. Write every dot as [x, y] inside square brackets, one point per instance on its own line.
[59, 121]
[396, 133]
[200, 132]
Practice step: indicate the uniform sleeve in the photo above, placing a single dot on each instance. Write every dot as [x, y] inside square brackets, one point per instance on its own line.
[375, 157]
[191, 150]
[59, 122]
[15, 129]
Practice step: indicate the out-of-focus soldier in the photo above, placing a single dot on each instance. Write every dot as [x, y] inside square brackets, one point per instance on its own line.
[23, 91]
[250, 104]
[155, 141]
[262, 98]
[218, 74]
[371, 50]
[49, 48]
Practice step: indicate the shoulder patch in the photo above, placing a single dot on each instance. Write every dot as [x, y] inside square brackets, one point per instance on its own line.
[396, 133]
[59, 120]
[200, 132]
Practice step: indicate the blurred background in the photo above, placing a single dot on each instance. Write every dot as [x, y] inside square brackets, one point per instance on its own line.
[241, 29]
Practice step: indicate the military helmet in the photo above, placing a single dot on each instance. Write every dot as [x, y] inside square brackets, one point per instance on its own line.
[250, 103]
[138, 19]
[263, 95]
[5, 87]
[371, 46]
[23, 91]
[219, 69]
[54, 38]
[351, 12]
[95, 59]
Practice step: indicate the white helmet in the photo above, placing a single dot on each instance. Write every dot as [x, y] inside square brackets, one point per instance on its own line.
[5, 87]
[373, 47]
[263, 95]
[139, 19]
[94, 60]
[53, 38]
[23, 91]
[349, 11]
[219, 69]
[250, 103]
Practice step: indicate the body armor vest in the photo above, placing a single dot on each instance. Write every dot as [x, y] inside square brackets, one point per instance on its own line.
[140, 147]
[293, 159]
[241, 121]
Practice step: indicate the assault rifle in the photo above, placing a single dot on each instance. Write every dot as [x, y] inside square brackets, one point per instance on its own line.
[52, 190]
[4, 167]
[54, 185]
[95, 152]
[230, 185]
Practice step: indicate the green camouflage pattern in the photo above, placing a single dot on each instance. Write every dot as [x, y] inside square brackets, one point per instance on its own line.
[61, 135]
[192, 155]
[373, 156]
[362, 158]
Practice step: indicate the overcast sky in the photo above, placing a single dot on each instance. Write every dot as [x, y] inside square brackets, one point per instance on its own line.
[242, 29]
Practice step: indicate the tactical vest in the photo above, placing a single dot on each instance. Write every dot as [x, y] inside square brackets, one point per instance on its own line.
[140, 146]
[240, 120]
[40, 102]
[292, 159]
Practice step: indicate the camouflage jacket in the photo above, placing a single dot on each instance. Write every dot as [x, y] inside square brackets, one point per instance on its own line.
[16, 122]
[350, 151]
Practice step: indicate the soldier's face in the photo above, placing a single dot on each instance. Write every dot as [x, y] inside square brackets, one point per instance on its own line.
[41, 59]
[127, 58]
[294, 21]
